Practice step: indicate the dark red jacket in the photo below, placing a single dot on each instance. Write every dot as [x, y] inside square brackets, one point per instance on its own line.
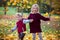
[35, 26]
[21, 25]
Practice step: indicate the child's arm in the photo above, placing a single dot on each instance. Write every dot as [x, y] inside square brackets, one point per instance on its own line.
[44, 18]
[14, 28]
[27, 21]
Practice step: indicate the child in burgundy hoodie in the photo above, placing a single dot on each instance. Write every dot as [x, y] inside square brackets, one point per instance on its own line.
[20, 25]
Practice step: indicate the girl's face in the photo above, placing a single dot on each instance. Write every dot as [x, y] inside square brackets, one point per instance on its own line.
[19, 17]
[34, 9]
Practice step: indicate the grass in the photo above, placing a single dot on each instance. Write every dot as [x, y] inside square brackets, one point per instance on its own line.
[11, 11]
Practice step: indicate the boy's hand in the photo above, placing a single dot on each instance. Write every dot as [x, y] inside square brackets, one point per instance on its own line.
[31, 20]
[9, 30]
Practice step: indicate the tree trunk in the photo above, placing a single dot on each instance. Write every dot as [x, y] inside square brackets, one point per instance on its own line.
[39, 3]
[5, 11]
[18, 9]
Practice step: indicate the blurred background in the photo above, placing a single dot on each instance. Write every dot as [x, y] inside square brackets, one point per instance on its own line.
[48, 8]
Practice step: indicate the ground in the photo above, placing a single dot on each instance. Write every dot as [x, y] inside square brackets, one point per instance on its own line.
[50, 28]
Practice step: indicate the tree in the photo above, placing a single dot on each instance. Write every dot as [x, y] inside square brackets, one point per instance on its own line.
[3, 3]
[56, 6]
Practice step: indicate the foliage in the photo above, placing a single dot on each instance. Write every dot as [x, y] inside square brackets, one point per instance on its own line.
[5, 25]
[49, 31]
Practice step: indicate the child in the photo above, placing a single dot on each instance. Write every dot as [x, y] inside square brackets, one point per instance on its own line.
[35, 26]
[20, 26]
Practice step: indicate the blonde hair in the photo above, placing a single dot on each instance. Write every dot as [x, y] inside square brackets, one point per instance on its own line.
[19, 14]
[35, 5]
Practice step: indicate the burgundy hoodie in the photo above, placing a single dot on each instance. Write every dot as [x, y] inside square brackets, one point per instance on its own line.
[21, 25]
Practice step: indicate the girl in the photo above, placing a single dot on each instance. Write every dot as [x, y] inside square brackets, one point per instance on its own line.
[20, 26]
[35, 26]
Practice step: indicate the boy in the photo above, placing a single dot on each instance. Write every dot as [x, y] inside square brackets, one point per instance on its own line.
[21, 25]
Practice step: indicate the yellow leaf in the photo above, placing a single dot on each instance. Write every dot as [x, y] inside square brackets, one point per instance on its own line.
[25, 1]
[18, 1]
[14, 3]
[46, 14]
[57, 17]
[28, 6]
[11, 1]
[8, 3]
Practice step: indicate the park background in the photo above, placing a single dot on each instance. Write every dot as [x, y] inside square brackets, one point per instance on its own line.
[48, 8]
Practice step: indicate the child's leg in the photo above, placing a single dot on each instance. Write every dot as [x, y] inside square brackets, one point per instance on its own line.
[21, 35]
[34, 35]
[40, 36]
